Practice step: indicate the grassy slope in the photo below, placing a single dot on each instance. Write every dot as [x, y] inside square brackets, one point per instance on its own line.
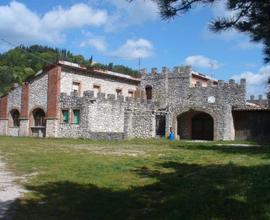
[139, 179]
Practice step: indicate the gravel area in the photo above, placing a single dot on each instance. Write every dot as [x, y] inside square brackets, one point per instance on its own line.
[9, 189]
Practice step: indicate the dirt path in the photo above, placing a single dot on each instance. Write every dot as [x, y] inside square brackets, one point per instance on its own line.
[9, 190]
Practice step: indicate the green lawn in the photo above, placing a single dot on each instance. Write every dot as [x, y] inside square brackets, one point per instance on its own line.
[139, 179]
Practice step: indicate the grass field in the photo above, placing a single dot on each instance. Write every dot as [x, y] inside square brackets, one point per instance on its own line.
[139, 179]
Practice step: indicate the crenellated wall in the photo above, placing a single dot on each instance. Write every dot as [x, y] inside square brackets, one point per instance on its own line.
[176, 92]
[106, 116]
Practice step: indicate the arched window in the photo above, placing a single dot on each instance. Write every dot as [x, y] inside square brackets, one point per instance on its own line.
[148, 90]
[15, 118]
[39, 118]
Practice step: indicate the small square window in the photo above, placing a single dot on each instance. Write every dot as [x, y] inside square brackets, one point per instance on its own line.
[130, 93]
[119, 91]
[76, 117]
[76, 87]
[65, 116]
[97, 88]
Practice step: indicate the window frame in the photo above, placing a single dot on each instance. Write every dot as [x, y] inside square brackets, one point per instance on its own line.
[73, 116]
[79, 83]
[119, 91]
[62, 116]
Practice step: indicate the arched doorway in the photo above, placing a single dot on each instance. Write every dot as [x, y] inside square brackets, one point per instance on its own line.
[14, 118]
[38, 122]
[202, 127]
[195, 125]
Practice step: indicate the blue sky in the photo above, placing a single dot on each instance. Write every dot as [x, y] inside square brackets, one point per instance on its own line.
[120, 32]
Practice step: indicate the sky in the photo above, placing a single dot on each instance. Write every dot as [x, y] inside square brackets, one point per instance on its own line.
[124, 33]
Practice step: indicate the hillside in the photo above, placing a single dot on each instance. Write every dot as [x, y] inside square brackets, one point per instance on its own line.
[22, 62]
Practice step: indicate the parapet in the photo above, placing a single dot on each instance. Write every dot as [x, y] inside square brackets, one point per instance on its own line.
[155, 73]
[89, 97]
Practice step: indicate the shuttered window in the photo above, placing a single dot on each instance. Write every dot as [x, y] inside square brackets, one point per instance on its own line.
[65, 114]
[76, 117]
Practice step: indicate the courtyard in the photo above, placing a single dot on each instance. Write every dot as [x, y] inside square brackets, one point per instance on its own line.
[138, 179]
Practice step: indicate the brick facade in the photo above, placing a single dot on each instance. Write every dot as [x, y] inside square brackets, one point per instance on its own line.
[4, 107]
[53, 93]
[25, 101]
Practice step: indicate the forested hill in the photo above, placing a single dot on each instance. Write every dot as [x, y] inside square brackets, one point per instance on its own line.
[22, 62]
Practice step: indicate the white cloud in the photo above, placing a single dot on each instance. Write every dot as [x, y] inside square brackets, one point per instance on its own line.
[98, 43]
[134, 49]
[201, 61]
[131, 49]
[21, 25]
[131, 13]
[78, 15]
[256, 82]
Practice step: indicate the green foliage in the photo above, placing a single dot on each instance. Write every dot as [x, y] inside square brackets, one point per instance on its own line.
[18, 64]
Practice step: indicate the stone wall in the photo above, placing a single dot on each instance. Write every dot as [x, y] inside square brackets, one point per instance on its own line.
[14, 99]
[103, 117]
[179, 96]
[107, 85]
[14, 132]
[38, 92]
[143, 124]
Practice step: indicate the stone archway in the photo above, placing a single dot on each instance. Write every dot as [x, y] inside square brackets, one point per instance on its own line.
[38, 122]
[195, 125]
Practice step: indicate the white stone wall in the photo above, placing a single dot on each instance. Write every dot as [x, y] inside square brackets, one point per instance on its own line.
[14, 99]
[24, 128]
[14, 132]
[106, 116]
[3, 127]
[108, 86]
[38, 92]
[143, 124]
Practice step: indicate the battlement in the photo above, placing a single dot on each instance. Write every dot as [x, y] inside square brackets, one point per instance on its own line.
[221, 84]
[89, 97]
[165, 70]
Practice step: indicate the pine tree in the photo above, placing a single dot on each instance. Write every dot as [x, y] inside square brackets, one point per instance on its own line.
[250, 16]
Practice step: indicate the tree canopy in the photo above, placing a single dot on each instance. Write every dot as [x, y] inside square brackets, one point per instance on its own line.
[18, 64]
[249, 16]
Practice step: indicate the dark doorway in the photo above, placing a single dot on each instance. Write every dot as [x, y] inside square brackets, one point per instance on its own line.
[148, 90]
[160, 125]
[15, 118]
[38, 124]
[202, 127]
[39, 118]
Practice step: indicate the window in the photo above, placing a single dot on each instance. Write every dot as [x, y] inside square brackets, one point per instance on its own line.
[76, 87]
[39, 118]
[148, 90]
[97, 88]
[130, 93]
[65, 116]
[76, 117]
[119, 91]
[15, 115]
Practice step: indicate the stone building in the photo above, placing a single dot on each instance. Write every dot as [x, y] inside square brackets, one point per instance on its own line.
[67, 100]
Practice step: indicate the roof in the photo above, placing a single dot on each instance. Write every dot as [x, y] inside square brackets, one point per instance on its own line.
[202, 76]
[250, 107]
[98, 71]
[81, 68]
